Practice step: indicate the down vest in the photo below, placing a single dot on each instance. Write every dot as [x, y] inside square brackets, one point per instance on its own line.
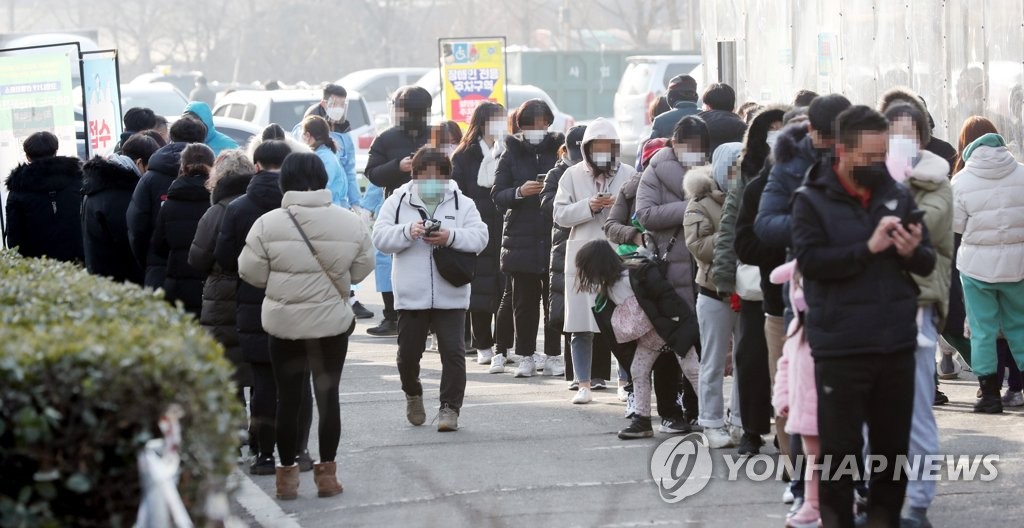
[702, 223]
[108, 190]
[301, 301]
[187, 201]
[44, 207]
[988, 198]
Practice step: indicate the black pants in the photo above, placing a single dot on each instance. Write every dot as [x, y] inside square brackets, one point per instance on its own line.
[293, 363]
[504, 320]
[529, 295]
[413, 327]
[667, 386]
[389, 306]
[755, 389]
[877, 389]
[263, 408]
[481, 334]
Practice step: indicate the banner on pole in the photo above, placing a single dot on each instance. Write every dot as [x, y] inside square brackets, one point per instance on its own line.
[472, 72]
[102, 101]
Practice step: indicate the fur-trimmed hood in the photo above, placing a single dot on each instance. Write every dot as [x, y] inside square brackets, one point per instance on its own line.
[755, 141]
[792, 143]
[902, 94]
[230, 187]
[46, 174]
[930, 173]
[699, 184]
[100, 175]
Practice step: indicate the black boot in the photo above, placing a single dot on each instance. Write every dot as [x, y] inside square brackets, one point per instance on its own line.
[640, 427]
[990, 402]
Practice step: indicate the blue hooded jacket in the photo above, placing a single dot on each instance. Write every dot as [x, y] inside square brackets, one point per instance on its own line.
[217, 141]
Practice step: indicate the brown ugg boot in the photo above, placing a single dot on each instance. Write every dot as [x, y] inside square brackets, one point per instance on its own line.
[325, 477]
[287, 482]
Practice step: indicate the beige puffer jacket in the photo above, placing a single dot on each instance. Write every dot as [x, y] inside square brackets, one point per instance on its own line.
[301, 302]
[702, 221]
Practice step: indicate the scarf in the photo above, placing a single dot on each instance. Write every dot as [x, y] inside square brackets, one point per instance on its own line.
[485, 176]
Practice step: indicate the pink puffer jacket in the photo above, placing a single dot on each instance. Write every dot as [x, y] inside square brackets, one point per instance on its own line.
[795, 388]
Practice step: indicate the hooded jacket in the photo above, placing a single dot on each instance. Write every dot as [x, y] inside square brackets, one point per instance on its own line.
[149, 195]
[417, 283]
[218, 312]
[702, 222]
[302, 301]
[559, 237]
[723, 127]
[176, 224]
[262, 195]
[858, 303]
[930, 143]
[108, 188]
[988, 209]
[929, 185]
[487, 284]
[386, 154]
[794, 155]
[43, 209]
[571, 210]
[341, 133]
[661, 209]
[525, 245]
[217, 141]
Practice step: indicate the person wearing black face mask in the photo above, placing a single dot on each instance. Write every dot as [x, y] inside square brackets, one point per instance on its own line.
[856, 257]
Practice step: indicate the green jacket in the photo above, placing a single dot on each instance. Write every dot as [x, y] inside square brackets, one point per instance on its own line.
[723, 268]
[929, 183]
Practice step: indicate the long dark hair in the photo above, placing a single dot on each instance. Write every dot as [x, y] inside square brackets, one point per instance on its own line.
[478, 123]
[320, 131]
[445, 133]
[598, 267]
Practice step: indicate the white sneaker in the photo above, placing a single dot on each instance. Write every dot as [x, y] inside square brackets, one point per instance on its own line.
[497, 364]
[431, 343]
[1013, 399]
[718, 437]
[787, 495]
[630, 404]
[483, 357]
[526, 367]
[512, 357]
[622, 393]
[582, 396]
[554, 366]
[735, 434]
[540, 360]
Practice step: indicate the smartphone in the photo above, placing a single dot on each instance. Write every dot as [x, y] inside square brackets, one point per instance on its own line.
[542, 177]
[915, 217]
[602, 195]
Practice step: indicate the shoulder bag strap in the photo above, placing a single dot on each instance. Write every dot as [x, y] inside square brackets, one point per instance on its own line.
[344, 295]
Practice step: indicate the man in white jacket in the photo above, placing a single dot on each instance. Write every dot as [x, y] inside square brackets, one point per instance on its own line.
[421, 216]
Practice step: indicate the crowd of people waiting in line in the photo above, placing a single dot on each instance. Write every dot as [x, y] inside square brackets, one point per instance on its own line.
[819, 253]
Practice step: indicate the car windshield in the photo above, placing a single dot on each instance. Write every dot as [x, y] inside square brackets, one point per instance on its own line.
[519, 95]
[289, 113]
[636, 79]
[165, 103]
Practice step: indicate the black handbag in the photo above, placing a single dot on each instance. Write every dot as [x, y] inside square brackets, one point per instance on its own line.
[456, 267]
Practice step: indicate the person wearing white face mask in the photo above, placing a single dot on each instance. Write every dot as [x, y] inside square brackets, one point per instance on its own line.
[473, 166]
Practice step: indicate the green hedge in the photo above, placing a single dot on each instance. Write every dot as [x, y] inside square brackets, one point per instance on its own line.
[87, 366]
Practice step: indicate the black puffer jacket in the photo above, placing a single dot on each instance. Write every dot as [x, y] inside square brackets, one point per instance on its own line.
[525, 244]
[486, 288]
[218, 312]
[559, 237]
[108, 190]
[150, 193]
[723, 127]
[176, 224]
[43, 209]
[386, 154]
[858, 303]
[673, 319]
[751, 250]
[261, 196]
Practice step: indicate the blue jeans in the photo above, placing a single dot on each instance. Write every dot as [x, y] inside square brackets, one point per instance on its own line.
[924, 433]
[582, 346]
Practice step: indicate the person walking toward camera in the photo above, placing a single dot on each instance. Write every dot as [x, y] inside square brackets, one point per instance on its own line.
[427, 225]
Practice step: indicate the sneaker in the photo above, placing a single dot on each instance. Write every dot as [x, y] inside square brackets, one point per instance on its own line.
[262, 466]
[1013, 399]
[940, 398]
[735, 434]
[916, 518]
[798, 502]
[787, 495]
[750, 444]
[540, 361]
[622, 393]
[582, 396]
[598, 384]
[574, 385]
[639, 428]
[792, 523]
[674, 426]
[554, 366]
[512, 357]
[431, 345]
[386, 328]
[630, 405]
[483, 357]
[447, 419]
[526, 368]
[305, 461]
[718, 437]
[414, 411]
[497, 364]
[360, 311]
[948, 367]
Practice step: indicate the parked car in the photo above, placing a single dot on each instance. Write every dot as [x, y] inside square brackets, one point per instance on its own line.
[160, 97]
[236, 129]
[377, 85]
[644, 80]
[286, 108]
[183, 81]
[516, 94]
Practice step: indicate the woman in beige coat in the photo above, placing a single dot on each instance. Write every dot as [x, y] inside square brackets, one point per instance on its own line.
[585, 194]
[307, 254]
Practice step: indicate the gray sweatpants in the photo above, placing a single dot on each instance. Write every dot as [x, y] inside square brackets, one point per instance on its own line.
[718, 326]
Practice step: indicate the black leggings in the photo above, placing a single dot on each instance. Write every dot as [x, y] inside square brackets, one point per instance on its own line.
[504, 322]
[293, 361]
